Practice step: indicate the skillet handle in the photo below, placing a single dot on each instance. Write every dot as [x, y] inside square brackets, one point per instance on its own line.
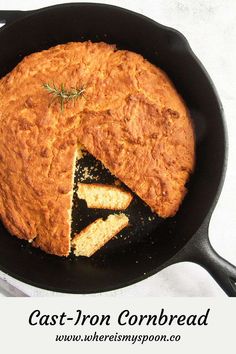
[7, 16]
[200, 251]
[221, 270]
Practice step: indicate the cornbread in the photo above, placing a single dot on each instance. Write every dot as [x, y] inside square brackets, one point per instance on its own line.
[130, 117]
[103, 196]
[97, 234]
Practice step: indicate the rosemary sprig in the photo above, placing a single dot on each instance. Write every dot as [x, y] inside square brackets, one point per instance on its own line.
[63, 94]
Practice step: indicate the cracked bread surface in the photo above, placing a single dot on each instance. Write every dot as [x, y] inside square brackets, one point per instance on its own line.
[130, 117]
[145, 147]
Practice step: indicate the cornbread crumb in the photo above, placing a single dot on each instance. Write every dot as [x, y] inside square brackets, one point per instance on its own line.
[88, 174]
[117, 182]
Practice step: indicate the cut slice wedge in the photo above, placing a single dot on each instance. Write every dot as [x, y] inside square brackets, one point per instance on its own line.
[97, 234]
[104, 196]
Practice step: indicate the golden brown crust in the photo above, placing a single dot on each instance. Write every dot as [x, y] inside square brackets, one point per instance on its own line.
[127, 102]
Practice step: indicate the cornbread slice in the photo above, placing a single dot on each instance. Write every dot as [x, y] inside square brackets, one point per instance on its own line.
[97, 234]
[103, 196]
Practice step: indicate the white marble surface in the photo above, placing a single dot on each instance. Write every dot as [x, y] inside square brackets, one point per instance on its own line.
[210, 27]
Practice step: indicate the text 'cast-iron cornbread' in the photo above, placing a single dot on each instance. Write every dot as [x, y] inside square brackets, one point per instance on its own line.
[130, 117]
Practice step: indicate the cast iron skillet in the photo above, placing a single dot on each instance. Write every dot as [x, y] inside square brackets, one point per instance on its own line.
[147, 246]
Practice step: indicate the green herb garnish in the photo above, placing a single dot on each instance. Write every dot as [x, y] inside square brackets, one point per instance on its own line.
[63, 94]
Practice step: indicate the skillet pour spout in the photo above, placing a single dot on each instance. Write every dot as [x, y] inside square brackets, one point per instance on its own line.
[148, 249]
